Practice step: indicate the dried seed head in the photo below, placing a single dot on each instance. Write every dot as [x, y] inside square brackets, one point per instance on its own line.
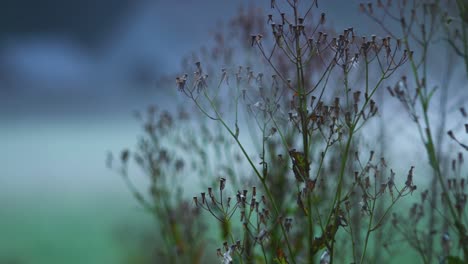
[379, 4]
[222, 184]
[367, 183]
[391, 180]
[124, 155]
[451, 135]
[252, 204]
[324, 37]
[348, 118]
[403, 22]
[362, 7]
[203, 195]
[356, 96]
[409, 179]
[463, 112]
[383, 162]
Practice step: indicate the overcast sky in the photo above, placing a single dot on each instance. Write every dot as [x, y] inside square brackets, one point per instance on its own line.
[73, 55]
[77, 55]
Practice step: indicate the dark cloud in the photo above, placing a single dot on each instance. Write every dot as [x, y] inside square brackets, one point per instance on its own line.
[86, 21]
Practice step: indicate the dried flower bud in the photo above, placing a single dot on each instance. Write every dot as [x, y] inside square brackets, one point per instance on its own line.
[391, 180]
[383, 162]
[403, 22]
[409, 179]
[348, 118]
[222, 184]
[463, 112]
[356, 96]
[369, 6]
[203, 196]
[124, 155]
[367, 183]
[362, 7]
[252, 38]
[450, 134]
[252, 204]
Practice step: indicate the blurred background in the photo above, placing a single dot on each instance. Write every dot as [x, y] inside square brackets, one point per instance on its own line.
[71, 73]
